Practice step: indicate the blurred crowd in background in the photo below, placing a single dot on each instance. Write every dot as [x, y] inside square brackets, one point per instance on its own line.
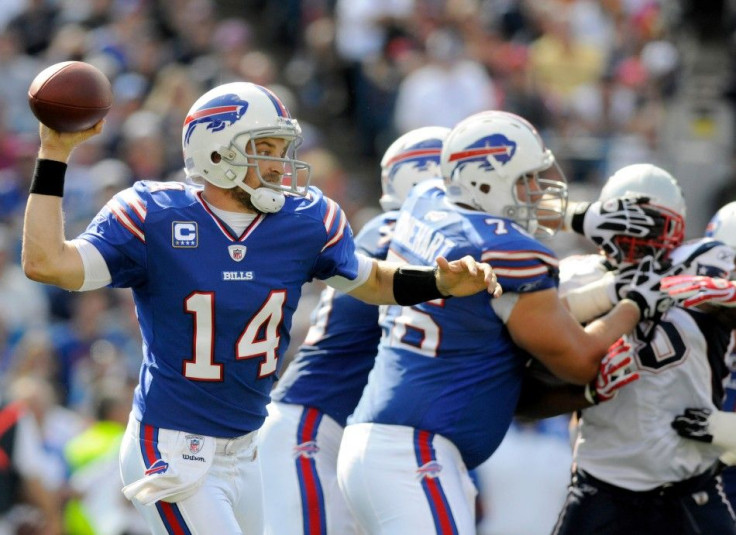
[608, 83]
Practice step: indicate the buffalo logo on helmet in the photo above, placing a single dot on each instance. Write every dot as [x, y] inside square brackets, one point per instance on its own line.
[419, 156]
[487, 152]
[218, 113]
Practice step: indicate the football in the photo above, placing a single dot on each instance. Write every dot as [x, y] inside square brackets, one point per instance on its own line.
[70, 96]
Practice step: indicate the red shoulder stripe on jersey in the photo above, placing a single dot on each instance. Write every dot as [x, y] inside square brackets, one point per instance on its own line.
[339, 234]
[124, 219]
[135, 203]
[489, 256]
[520, 272]
[334, 212]
[330, 215]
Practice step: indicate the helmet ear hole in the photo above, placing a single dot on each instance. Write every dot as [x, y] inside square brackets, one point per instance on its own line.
[485, 188]
[215, 157]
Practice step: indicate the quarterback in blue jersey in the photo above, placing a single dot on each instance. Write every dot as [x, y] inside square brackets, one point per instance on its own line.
[448, 372]
[300, 439]
[216, 273]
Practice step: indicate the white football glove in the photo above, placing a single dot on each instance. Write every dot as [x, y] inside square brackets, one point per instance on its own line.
[645, 288]
[603, 221]
[614, 373]
[694, 290]
[622, 279]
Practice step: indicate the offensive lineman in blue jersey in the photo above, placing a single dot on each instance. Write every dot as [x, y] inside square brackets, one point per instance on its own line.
[216, 273]
[300, 438]
[448, 372]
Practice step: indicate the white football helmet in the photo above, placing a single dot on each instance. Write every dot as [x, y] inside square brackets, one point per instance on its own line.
[722, 225]
[218, 140]
[412, 158]
[665, 196]
[491, 162]
[704, 256]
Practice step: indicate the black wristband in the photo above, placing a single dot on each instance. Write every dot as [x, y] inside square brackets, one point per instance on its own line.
[414, 285]
[579, 216]
[48, 178]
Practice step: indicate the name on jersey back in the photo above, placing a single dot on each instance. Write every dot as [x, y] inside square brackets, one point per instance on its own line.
[423, 240]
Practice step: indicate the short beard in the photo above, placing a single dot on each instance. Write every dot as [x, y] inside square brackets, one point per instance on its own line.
[243, 197]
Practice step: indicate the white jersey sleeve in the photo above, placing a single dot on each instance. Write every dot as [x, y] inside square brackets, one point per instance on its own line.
[96, 273]
[586, 286]
[578, 270]
[723, 429]
[345, 285]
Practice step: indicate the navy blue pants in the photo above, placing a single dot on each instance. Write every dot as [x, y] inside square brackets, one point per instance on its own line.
[729, 484]
[696, 506]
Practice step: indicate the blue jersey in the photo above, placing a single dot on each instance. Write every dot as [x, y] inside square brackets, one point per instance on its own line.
[331, 367]
[214, 308]
[449, 366]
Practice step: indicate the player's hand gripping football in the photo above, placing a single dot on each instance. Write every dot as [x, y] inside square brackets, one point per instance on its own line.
[615, 372]
[466, 276]
[621, 216]
[59, 145]
[694, 290]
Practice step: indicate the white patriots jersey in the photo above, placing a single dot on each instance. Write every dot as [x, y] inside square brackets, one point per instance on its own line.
[214, 308]
[581, 269]
[628, 441]
[449, 366]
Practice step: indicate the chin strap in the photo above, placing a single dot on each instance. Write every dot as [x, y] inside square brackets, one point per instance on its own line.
[265, 199]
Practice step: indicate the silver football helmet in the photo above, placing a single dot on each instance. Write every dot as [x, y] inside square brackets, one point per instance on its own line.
[665, 196]
[412, 158]
[491, 161]
[218, 140]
